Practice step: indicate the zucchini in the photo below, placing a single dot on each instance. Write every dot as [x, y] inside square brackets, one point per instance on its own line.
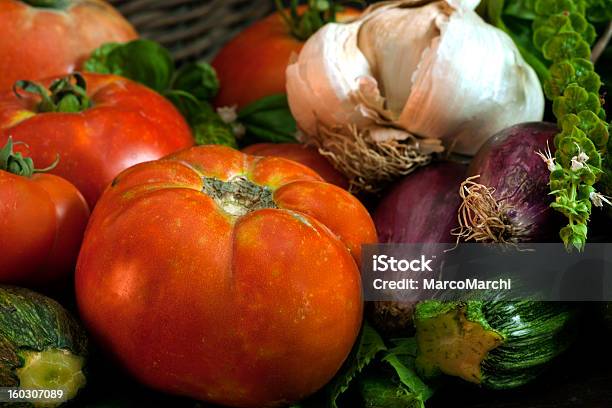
[498, 344]
[41, 345]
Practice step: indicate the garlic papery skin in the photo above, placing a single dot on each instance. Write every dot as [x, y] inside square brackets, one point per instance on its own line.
[330, 80]
[433, 71]
[492, 86]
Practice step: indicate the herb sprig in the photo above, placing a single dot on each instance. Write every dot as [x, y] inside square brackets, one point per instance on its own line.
[563, 35]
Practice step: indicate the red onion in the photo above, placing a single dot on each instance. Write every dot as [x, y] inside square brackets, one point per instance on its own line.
[510, 201]
[422, 208]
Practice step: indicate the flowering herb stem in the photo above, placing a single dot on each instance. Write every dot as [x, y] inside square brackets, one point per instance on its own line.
[564, 36]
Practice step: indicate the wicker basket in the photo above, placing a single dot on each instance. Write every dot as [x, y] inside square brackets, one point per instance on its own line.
[192, 29]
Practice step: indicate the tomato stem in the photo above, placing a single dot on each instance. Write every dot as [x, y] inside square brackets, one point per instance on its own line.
[317, 14]
[15, 163]
[238, 195]
[67, 94]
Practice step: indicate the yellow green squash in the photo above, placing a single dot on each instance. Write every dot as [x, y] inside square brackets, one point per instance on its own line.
[41, 345]
[498, 344]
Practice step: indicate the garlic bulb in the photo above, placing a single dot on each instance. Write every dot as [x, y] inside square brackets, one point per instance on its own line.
[409, 75]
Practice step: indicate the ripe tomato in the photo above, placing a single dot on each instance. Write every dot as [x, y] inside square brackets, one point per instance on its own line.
[52, 40]
[42, 219]
[127, 124]
[252, 65]
[235, 276]
[306, 155]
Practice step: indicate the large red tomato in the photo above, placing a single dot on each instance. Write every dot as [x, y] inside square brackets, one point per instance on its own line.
[252, 65]
[234, 277]
[126, 124]
[306, 155]
[42, 219]
[45, 38]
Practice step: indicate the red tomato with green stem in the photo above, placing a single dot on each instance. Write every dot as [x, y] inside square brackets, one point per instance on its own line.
[42, 219]
[98, 124]
[252, 65]
[236, 277]
[45, 38]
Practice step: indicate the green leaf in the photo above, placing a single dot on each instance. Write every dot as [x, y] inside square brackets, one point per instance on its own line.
[367, 347]
[210, 129]
[199, 79]
[304, 22]
[575, 99]
[189, 90]
[272, 102]
[524, 9]
[541, 35]
[596, 128]
[599, 11]
[548, 7]
[395, 383]
[578, 236]
[189, 106]
[97, 62]
[579, 23]
[379, 392]
[269, 119]
[402, 359]
[140, 60]
[566, 45]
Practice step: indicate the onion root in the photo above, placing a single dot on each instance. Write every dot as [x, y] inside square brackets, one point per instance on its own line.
[482, 218]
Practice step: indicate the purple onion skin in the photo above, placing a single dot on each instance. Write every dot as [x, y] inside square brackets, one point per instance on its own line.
[508, 163]
[422, 208]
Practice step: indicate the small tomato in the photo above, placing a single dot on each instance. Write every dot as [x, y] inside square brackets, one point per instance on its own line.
[42, 219]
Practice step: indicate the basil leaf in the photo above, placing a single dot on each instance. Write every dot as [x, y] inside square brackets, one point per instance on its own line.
[189, 90]
[97, 62]
[143, 61]
[206, 124]
[367, 347]
[269, 119]
[272, 102]
[189, 106]
[255, 133]
[521, 9]
[380, 392]
[599, 11]
[199, 79]
[210, 129]
[395, 383]
[402, 359]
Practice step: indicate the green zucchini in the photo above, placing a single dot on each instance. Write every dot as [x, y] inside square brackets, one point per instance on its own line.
[498, 344]
[41, 345]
